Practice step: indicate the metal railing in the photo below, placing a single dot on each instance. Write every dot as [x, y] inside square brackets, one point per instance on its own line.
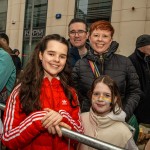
[2, 106]
[87, 140]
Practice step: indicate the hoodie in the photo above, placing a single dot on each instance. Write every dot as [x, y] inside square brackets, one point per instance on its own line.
[106, 129]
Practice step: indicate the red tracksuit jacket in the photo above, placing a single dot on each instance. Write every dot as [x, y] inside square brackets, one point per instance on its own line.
[23, 132]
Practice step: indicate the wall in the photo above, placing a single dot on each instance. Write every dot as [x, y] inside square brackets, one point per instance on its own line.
[15, 19]
[66, 9]
[129, 23]
[130, 19]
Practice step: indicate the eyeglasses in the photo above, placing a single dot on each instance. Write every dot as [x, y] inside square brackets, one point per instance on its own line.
[79, 32]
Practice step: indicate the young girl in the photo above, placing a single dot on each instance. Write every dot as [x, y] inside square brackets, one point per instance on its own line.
[106, 120]
[42, 101]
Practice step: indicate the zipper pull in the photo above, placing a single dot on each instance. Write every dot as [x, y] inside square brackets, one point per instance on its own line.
[102, 63]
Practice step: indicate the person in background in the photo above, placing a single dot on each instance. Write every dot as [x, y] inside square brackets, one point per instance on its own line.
[5, 40]
[106, 119]
[17, 61]
[141, 60]
[7, 78]
[78, 35]
[102, 60]
[42, 101]
[7, 73]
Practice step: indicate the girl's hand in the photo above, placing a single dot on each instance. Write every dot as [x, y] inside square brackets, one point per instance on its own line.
[56, 129]
[61, 124]
[52, 118]
[51, 130]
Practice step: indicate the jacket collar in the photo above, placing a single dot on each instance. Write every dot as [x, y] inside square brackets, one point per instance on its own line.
[112, 49]
[142, 56]
[107, 120]
[74, 50]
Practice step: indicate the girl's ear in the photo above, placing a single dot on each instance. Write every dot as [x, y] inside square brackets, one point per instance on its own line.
[115, 99]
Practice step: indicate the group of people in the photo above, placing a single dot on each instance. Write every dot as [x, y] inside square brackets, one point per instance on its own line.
[80, 84]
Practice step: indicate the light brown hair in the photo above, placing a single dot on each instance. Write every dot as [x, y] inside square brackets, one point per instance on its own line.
[115, 95]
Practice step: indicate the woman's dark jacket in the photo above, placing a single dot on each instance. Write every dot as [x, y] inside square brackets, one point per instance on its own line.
[17, 63]
[118, 67]
[142, 65]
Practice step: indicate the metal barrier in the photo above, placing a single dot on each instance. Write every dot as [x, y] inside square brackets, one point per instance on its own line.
[2, 106]
[87, 140]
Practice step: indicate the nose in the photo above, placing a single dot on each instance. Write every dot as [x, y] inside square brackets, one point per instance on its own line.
[76, 34]
[100, 98]
[100, 38]
[57, 58]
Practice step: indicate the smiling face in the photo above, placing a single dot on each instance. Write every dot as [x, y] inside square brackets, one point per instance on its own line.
[101, 99]
[53, 58]
[78, 34]
[100, 40]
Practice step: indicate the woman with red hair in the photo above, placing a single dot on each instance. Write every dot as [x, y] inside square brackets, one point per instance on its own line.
[102, 60]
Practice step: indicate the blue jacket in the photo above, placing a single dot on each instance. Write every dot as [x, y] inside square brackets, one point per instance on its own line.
[74, 55]
[7, 71]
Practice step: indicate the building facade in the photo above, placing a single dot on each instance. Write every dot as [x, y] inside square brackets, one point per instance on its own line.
[19, 18]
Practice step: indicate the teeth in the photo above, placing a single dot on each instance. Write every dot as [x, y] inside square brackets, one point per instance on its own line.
[100, 44]
[54, 66]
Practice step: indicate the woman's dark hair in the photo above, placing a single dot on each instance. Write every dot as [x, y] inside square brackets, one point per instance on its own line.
[6, 48]
[116, 104]
[5, 36]
[33, 74]
[16, 50]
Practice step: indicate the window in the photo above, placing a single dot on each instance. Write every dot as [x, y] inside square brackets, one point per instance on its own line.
[3, 15]
[93, 10]
[38, 29]
[39, 16]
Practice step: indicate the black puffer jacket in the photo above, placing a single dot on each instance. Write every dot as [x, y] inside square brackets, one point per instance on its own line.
[118, 67]
[142, 65]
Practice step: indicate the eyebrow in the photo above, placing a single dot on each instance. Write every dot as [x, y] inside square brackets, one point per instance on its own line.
[78, 30]
[55, 52]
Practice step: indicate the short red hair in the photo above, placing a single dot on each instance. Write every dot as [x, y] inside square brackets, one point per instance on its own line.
[102, 25]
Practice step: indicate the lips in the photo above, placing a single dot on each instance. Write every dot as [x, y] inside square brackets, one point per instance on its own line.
[77, 40]
[100, 105]
[55, 66]
[100, 45]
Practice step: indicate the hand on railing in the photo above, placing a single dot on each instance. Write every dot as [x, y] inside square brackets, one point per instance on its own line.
[62, 129]
[57, 129]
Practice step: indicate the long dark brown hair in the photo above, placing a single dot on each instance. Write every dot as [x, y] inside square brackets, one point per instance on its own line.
[33, 74]
[116, 103]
